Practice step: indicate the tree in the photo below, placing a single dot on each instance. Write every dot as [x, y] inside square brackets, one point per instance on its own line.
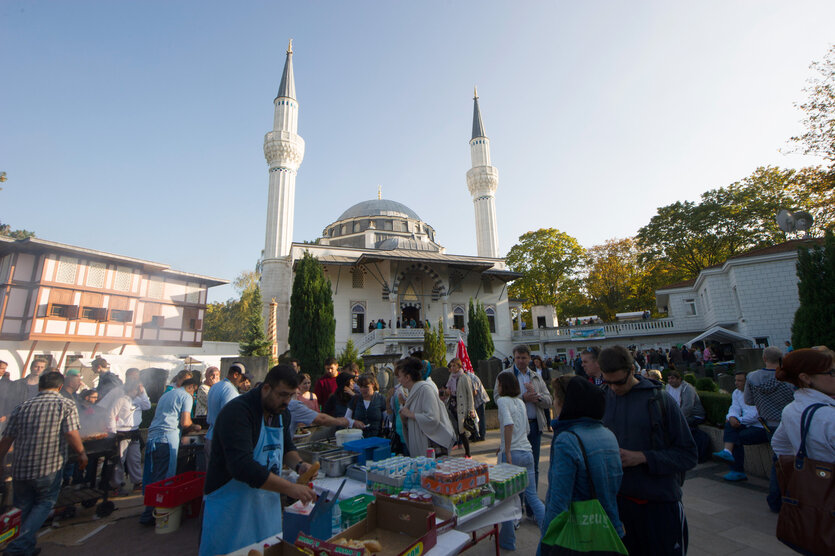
[550, 261]
[819, 108]
[688, 237]
[312, 326]
[350, 355]
[254, 342]
[814, 321]
[434, 346]
[6, 230]
[616, 281]
[226, 321]
[479, 340]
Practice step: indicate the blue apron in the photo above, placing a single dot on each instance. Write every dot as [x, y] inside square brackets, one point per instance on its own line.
[172, 439]
[237, 515]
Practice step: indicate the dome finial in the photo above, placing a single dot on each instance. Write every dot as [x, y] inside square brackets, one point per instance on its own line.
[290, 47]
[475, 92]
[379, 191]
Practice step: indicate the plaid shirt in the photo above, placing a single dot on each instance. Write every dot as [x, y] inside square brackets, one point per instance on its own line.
[38, 428]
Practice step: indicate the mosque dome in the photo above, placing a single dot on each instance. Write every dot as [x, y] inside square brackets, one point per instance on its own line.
[379, 207]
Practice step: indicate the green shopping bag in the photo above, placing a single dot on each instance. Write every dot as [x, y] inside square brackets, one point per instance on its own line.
[584, 528]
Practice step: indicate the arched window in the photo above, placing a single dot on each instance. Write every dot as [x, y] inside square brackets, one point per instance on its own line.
[357, 318]
[458, 317]
[491, 318]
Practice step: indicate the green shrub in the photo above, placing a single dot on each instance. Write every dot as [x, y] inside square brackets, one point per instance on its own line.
[716, 406]
[664, 374]
[707, 385]
[492, 403]
[691, 378]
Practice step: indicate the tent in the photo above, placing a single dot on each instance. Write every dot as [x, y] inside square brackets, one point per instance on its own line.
[723, 335]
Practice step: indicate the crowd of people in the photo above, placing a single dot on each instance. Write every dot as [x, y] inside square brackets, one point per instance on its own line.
[620, 437]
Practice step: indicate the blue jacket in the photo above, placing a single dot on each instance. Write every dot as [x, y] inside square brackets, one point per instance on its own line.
[648, 420]
[568, 478]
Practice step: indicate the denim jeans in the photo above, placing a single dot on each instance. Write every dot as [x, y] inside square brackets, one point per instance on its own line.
[507, 533]
[741, 437]
[35, 498]
[159, 471]
[535, 438]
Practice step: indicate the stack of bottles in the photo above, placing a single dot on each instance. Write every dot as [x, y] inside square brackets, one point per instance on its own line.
[508, 480]
[393, 475]
[459, 485]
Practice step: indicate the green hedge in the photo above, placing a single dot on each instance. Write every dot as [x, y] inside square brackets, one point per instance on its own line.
[716, 406]
[707, 385]
[691, 378]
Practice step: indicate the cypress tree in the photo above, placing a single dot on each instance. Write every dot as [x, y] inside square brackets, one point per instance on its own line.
[814, 321]
[312, 326]
[254, 341]
[479, 341]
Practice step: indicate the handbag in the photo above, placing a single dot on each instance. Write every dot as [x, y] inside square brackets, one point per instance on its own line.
[584, 528]
[807, 516]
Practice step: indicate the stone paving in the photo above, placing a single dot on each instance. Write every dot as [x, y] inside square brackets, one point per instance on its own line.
[723, 518]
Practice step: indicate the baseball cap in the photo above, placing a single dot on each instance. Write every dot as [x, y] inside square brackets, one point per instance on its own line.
[72, 372]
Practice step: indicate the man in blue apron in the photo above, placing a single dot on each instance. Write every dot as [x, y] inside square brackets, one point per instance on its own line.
[251, 441]
[173, 414]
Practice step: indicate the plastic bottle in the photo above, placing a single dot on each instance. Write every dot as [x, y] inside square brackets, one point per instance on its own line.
[336, 519]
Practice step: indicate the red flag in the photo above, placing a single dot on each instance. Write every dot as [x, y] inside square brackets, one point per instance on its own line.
[461, 353]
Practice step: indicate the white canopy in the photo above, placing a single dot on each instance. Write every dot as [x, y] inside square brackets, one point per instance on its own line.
[722, 334]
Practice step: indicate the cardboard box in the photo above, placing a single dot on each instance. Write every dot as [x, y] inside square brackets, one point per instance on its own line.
[324, 548]
[401, 527]
[283, 548]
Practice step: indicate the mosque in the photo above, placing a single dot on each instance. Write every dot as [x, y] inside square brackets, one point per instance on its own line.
[384, 262]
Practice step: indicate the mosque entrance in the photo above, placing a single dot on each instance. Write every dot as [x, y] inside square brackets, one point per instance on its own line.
[409, 315]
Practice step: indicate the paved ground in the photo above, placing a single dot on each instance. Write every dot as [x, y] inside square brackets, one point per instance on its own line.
[724, 519]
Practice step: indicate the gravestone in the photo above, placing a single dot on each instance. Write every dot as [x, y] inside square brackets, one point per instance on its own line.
[748, 359]
[256, 367]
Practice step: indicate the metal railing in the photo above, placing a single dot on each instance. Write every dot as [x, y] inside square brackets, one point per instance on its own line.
[610, 330]
[382, 334]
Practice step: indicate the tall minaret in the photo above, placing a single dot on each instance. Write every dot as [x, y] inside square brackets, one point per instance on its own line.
[284, 151]
[482, 180]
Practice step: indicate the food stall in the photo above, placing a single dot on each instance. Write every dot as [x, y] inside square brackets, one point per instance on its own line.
[366, 490]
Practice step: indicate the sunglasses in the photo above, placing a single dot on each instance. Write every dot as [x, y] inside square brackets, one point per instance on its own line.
[620, 382]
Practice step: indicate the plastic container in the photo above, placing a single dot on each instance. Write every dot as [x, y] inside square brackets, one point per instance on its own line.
[347, 435]
[369, 449]
[175, 491]
[167, 519]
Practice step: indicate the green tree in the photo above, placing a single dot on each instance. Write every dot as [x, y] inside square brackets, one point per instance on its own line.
[254, 341]
[350, 355]
[226, 321]
[312, 326]
[814, 321]
[6, 230]
[819, 109]
[550, 262]
[616, 281]
[434, 346]
[688, 237]
[479, 340]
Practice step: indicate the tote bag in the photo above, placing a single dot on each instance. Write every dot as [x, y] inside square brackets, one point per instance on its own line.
[584, 528]
[807, 517]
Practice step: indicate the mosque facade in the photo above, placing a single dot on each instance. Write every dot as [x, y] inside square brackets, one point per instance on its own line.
[389, 274]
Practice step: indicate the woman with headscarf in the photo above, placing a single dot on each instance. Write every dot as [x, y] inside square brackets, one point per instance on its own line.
[460, 404]
[580, 406]
[337, 404]
[426, 423]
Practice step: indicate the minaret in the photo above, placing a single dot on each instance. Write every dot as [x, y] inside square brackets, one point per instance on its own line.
[482, 180]
[284, 151]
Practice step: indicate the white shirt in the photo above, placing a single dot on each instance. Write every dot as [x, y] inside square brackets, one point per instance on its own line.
[120, 415]
[820, 440]
[746, 414]
[512, 412]
[674, 393]
[524, 377]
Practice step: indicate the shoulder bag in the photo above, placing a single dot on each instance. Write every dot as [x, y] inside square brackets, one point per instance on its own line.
[584, 528]
[807, 516]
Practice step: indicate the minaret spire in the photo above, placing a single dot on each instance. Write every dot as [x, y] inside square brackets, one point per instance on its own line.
[482, 181]
[478, 125]
[287, 88]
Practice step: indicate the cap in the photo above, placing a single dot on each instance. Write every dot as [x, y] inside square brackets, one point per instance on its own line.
[236, 367]
[72, 372]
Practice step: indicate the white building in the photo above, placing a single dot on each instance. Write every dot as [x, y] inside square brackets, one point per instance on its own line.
[383, 261]
[749, 299]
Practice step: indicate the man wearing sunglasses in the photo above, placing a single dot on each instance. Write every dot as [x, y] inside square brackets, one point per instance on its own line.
[656, 448]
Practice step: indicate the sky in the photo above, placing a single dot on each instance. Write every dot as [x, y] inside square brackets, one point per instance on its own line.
[137, 127]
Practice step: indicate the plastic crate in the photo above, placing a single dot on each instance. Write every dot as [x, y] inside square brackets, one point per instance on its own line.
[10, 525]
[354, 509]
[367, 448]
[175, 491]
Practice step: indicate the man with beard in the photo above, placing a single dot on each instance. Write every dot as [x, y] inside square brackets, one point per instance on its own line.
[252, 441]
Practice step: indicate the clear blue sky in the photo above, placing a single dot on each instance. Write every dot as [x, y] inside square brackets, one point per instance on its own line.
[137, 127]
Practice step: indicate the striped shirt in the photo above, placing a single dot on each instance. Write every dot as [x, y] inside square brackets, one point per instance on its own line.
[39, 427]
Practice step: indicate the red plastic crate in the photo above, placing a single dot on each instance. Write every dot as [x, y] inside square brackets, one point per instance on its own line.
[175, 491]
[10, 525]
